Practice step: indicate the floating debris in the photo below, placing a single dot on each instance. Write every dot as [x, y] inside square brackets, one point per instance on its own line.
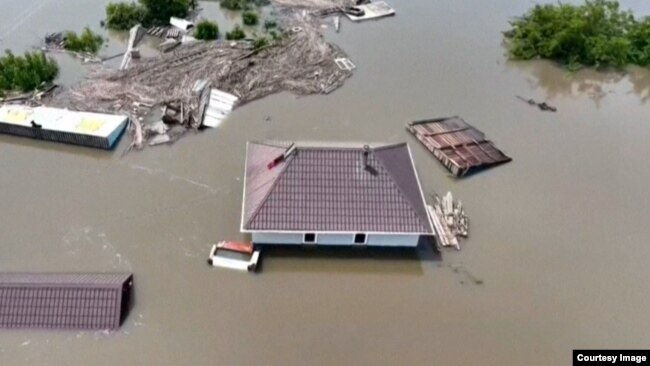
[234, 255]
[542, 106]
[182, 24]
[136, 33]
[345, 64]
[302, 63]
[219, 107]
[460, 147]
[449, 220]
[375, 10]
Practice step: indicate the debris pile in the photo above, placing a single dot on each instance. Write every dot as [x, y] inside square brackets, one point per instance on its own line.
[449, 220]
[301, 62]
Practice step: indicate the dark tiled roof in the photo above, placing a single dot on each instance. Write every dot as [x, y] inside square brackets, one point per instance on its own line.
[64, 300]
[328, 188]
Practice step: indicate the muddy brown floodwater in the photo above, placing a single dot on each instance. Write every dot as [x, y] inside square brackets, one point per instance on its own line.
[559, 235]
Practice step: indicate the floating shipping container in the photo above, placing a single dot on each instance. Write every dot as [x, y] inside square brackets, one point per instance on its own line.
[62, 125]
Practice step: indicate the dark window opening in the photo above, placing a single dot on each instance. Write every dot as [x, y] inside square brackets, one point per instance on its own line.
[309, 238]
[359, 238]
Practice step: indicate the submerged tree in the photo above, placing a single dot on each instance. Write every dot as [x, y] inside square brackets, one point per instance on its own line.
[123, 16]
[207, 30]
[27, 72]
[597, 33]
[88, 41]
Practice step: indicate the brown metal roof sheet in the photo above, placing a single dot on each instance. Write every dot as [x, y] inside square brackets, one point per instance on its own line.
[459, 146]
[64, 300]
[323, 187]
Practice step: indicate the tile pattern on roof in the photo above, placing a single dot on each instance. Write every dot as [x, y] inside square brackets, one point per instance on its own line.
[62, 307]
[329, 189]
[63, 300]
[58, 278]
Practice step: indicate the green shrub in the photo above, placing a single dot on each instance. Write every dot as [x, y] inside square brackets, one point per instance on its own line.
[243, 4]
[250, 18]
[26, 73]
[260, 42]
[235, 34]
[207, 30]
[270, 23]
[88, 41]
[123, 16]
[597, 33]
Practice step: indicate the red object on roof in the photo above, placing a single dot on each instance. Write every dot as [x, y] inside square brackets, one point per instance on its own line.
[90, 301]
[238, 247]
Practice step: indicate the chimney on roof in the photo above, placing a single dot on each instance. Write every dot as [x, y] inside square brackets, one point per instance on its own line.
[366, 162]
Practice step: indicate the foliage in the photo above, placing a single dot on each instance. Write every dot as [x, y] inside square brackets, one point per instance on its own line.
[597, 33]
[88, 41]
[26, 73]
[250, 18]
[242, 4]
[236, 33]
[270, 23]
[207, 30]
[159, 11]
[123, 16]
[260, 43]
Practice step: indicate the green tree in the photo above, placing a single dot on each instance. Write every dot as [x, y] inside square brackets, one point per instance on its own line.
[596, 33]
[27, 72]
[159, 11]
[207, 30]
[123, 16]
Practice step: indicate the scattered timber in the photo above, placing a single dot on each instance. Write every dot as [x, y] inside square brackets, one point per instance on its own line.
[449, 220]
[301, 63]
[460, 147]
[542, 106]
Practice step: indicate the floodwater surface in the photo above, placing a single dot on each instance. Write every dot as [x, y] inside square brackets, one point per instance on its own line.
[558, 253]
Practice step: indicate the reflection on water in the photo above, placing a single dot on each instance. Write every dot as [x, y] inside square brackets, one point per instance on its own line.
[556, 81]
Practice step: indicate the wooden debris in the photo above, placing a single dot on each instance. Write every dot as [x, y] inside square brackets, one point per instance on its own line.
[449, 220]
[542, 106]
[460, 147]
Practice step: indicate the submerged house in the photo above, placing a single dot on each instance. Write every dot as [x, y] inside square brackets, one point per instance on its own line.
[90, 301]
[333, 194]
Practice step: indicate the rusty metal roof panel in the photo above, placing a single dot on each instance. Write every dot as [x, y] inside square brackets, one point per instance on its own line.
[462, 148]
[64, 300]
[333, 188]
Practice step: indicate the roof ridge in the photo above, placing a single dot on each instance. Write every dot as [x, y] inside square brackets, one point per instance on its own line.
[401, 190]
[275, 183]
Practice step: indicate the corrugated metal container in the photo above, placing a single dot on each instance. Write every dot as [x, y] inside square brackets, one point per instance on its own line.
[61, 125]
[90, 301]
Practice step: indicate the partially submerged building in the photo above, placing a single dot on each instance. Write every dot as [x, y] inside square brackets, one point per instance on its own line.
[333, 194]
[93, 301]
[62, 125]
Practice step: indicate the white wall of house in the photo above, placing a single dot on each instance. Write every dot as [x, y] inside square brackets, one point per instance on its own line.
[407, 240]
